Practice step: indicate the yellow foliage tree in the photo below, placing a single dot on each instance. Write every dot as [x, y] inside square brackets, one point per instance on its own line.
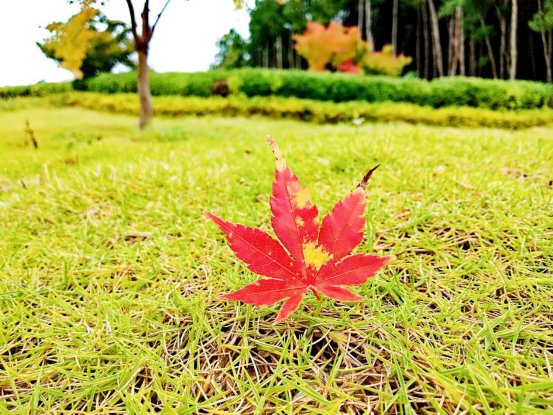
[72, 40]
[82, 48]
[385, 62]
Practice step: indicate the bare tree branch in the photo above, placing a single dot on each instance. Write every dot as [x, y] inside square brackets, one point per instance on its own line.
[159, 15]
[146, 30]
[133, 21]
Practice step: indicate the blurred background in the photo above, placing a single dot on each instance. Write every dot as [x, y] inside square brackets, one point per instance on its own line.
[285, 48]
[484, 38]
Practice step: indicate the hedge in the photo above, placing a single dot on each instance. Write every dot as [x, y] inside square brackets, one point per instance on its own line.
[309, 110]
[440, 92]
[38, 90]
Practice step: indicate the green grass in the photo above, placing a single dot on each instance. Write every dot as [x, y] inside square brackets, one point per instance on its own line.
[108, 271]
[294, 108]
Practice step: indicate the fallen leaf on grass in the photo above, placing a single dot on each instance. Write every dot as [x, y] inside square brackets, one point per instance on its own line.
[308, 257]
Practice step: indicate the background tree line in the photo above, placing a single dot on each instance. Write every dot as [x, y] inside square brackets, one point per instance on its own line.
[506, 39]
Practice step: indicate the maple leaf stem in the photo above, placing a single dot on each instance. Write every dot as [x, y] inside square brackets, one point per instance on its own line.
[316, 295]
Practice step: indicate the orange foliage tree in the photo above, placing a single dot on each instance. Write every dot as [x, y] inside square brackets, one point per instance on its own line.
[332, 45]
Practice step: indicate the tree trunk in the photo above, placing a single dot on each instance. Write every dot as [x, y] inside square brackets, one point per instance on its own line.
[532, 57]
[360, 16]
[479, 49]
[290, 52]
[456, 42]
[450, 45]
[394, 27]
[549, 74]
[418, 43]
[547, 39]
[514, 50]
[462, 69]
[426, 39]
[490, 49]
[547, 44]
[146, 110]
[472, 58]
[278, 51]
[503, 44]
[436, 37]
[266, 56]
[368, 23]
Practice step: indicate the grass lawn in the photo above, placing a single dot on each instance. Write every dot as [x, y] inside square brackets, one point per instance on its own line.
[108, 270]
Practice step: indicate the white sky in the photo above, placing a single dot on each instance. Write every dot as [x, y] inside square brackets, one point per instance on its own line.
[184, 40]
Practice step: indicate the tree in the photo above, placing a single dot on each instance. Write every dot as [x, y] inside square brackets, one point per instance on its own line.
[501, 11]
[542, 23]
[295, 18]
[266, 25]
[446, 37]
[394, 26]
[232, 52]
[365, 8]
[142, 37]
[332, 45]
[83, 48]
[439, 62]
[71, 40]
[514, 49]
[142, 44]
[453, 9]
[476, 13]
[274, 22]
[426, 38]
[385, 62]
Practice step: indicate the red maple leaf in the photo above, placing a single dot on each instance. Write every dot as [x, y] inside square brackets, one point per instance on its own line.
[306, 258]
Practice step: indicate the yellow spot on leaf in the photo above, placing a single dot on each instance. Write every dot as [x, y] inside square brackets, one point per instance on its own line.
[315, 256]
[302, 198]
[279, 159]
[299, 221]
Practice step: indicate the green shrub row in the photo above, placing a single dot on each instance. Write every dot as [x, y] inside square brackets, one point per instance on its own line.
[38, 90]
[441, 92]
[309, 110]
[199, 84]
[335, 87]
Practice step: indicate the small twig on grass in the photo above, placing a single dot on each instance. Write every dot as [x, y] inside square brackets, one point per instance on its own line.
[31, 134]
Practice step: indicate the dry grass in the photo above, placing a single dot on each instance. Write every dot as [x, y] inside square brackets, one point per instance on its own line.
[108, 272]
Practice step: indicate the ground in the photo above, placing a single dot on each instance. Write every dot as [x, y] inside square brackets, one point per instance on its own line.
[109, 272]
